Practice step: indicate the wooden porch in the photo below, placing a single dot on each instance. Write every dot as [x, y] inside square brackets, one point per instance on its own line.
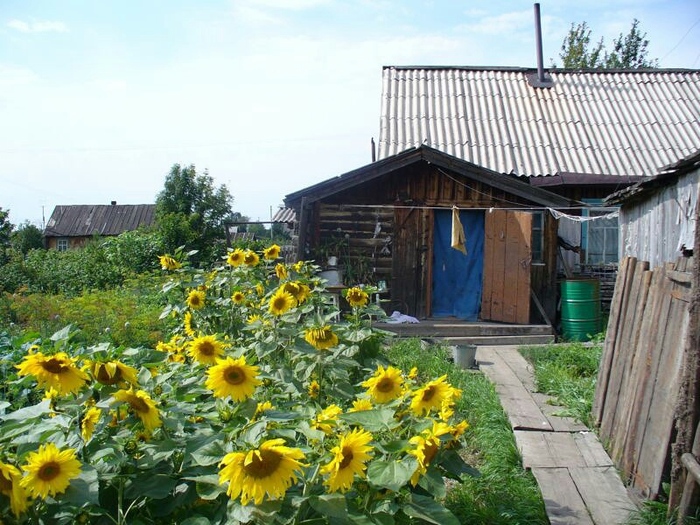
[455, 331]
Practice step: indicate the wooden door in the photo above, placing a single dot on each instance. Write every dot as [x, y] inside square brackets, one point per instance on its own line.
[507, 258]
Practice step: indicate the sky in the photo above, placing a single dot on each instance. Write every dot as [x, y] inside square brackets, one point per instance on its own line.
[98, 100]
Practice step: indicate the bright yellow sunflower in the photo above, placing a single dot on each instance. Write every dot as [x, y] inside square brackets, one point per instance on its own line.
[195, 299]
[272, 252]
[266, 471]
[238, 297]
[281, 302]
[10, 486]
[313, 389]
[142, 405]
[281, 271]
[89, 422]
[233, 377]
[426, 446]
[263, 407]
[235, 257]
[321, 338]
[49, 471]
[413, 373]
[168, 263]
[299, 266]
[113, 372]
[205, 349]
[360, 405]
[53, 372]
[250, 258]
[298, 290]
[432, 396]
[356, 296]
[349, 459]
[327, 418]
[385, 385]
[187, 324]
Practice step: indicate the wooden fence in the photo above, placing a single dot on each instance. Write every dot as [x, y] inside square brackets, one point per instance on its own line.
[644, 397]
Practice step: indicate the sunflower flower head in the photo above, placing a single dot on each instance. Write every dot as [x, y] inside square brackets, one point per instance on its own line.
[89, 422]
[187, 324]
[426, 445]
[142, 405]
[281, 302]
[235, 257]
[281, 271]
[360, 405]
[356, 297]
[432, 396]
[238, 297]
[263, 473]
[10, 486]
[250, 258]
[299, 291]
[272, 252]
[385, 385]
[113, 372]
[169, 263]
[327, 418]
[232, 377]
[205, 349]
[349, 459]
[321, 338]
[195, 299]
[313, 389]
[53, 372]
[49, 471]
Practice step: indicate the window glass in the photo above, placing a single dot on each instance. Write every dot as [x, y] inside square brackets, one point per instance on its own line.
[62, 245]
[599, 237]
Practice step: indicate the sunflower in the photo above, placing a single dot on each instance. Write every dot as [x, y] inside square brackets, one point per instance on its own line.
[426, 446]
[314, 389]
[272, 252]
[187, 324]
[10, 486]
[281, 302]
[235, 257]
[264, 406]
[299, 267]
[266, 471]
[360, 405]
[327, 418]
[321, 338]
[413, 373]
[356, 296]
[195, 299]
[281, 271]
[168, 263]
[53, 372]
[459, 429]
[206, 349]
[49, 471]
[349, 458]
[250, 258]
[432, 396]
[112, 372]
[299, 291]
[238, 297]
[142, 405]
[90, 420]
[385, 385]
[232, 377]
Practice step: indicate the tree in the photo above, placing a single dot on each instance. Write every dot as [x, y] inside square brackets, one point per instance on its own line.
[629, 51]
[27, 237]
[191, 212]
[6, 228]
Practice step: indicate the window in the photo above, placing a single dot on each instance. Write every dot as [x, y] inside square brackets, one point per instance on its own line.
[537, 237]
[61, 245]
[599, 237]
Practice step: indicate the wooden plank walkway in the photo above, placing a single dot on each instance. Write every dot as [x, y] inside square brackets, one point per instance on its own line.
[576, 476]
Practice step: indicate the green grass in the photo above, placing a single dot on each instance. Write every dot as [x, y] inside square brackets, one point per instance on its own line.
[504, 493]
[568, 373]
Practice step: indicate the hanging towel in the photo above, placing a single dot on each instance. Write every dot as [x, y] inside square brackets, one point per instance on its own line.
[458, 237]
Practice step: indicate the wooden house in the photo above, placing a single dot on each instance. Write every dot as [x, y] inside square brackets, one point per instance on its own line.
[72, 226]
[391, 221]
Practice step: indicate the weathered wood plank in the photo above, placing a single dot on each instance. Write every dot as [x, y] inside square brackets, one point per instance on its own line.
[510, 275]
[551, 411]
[524, 223]
[592, 450]
[562, 500]
[604, 494]
[489, 256]
[561, 449]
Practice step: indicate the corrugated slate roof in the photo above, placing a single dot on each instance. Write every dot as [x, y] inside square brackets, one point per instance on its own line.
[84, 220]
[603, 122]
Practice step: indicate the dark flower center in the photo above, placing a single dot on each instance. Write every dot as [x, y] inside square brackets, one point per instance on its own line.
[385, 385]
[49, 471]
[138, 404]
[264, 463]
[234, 375]
[54, 366]
[5, 484]
[428, 393]
[206, 348]
[347, 457]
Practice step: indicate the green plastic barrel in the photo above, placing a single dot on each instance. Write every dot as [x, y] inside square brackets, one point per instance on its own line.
[580, 309]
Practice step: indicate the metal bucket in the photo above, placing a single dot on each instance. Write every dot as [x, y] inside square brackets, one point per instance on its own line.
[464, 356]
[580, 309]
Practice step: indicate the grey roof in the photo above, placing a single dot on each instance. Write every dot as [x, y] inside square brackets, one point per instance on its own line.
[286, 215]
[84, 220]
[602, 122]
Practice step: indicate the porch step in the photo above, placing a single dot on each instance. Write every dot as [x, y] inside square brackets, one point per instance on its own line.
[431, 328]
[498, 340]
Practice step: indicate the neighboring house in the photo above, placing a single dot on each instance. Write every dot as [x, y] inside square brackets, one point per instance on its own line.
[72, 226]
[658, 215]
[474, 138]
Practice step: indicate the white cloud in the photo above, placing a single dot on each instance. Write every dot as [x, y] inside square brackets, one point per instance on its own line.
[38, 26]
[503, 24]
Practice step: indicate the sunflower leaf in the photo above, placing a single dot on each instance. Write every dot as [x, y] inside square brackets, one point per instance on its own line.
[372, 420]
[426, 508]
[392, 475]
[333, 505]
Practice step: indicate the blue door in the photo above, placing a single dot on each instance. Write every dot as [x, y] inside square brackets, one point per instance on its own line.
[457, 278]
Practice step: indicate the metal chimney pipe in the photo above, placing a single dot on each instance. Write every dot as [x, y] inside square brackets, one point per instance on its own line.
[538, 42]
